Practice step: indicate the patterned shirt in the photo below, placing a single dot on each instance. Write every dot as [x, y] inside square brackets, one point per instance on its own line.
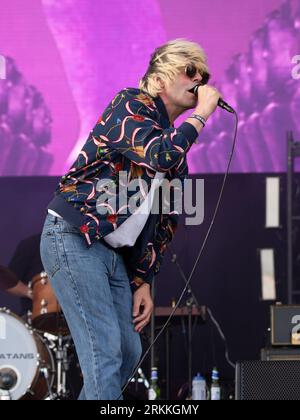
[134, 135]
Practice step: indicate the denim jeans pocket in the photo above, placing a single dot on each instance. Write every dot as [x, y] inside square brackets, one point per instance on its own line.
[49, 253]
[65, 227]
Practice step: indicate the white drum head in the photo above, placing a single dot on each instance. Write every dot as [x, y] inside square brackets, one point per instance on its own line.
[18, 353]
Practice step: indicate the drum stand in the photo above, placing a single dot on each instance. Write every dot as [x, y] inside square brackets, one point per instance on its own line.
[45, 372]
[62, 366]
[59, 345]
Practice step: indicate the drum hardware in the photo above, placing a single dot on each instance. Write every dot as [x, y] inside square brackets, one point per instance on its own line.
[45, 372]
[62, 366]
[24, 353]
[41, 346]
[29, 357]
[29, 318]
[44, 304]
[60, 346]
[46, 313]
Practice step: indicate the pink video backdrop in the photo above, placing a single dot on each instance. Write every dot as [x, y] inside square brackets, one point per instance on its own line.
[66, 59]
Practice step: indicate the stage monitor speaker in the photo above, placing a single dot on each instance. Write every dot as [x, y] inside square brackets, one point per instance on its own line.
[268, 381]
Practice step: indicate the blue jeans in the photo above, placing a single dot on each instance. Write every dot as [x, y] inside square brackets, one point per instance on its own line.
[93, 289]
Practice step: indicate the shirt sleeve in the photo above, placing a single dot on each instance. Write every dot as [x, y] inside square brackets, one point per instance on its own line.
[131, 127]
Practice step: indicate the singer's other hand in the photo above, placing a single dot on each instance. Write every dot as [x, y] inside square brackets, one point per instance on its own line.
[142, 307]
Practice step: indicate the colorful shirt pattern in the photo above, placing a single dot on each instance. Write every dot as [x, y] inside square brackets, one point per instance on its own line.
[134, 134]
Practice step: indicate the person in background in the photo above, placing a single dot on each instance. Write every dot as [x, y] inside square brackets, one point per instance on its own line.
[24, 265]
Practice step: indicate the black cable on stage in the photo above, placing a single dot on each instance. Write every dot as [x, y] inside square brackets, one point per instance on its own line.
[196, 262]
[209, 311]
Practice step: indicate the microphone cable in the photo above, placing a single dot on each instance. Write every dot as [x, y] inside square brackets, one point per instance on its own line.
[197, 259]
[209, 311]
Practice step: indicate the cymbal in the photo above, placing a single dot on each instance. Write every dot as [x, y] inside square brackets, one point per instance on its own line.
[7, 278]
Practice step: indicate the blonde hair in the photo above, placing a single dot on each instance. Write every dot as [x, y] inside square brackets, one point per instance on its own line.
[167, 61]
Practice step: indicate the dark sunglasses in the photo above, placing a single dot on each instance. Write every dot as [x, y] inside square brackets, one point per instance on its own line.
[191, 72]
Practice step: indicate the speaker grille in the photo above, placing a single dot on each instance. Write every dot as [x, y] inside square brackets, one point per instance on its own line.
[263, 381]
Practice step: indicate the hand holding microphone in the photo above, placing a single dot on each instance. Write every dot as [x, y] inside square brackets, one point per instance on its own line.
[208, 100]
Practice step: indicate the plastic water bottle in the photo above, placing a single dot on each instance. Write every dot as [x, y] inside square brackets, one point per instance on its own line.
[199, 388]
[215, 390]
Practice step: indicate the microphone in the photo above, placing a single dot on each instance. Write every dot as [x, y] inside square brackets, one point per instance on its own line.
[221, 102]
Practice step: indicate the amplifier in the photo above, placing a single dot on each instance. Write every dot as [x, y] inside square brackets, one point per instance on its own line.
[268, 381]
[285, 325]
[280, 353]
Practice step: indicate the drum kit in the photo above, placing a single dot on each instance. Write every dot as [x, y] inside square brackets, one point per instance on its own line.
[37, 354]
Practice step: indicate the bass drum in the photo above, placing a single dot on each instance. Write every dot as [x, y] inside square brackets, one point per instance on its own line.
[27, 368]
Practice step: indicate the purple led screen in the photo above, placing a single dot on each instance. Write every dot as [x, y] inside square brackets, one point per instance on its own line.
[62, 61]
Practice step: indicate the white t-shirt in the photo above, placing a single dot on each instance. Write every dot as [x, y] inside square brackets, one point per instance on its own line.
[129, 231]
[53, 213]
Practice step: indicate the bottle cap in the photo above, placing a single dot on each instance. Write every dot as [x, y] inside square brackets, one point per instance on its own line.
[154, 373]
[215, 374]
